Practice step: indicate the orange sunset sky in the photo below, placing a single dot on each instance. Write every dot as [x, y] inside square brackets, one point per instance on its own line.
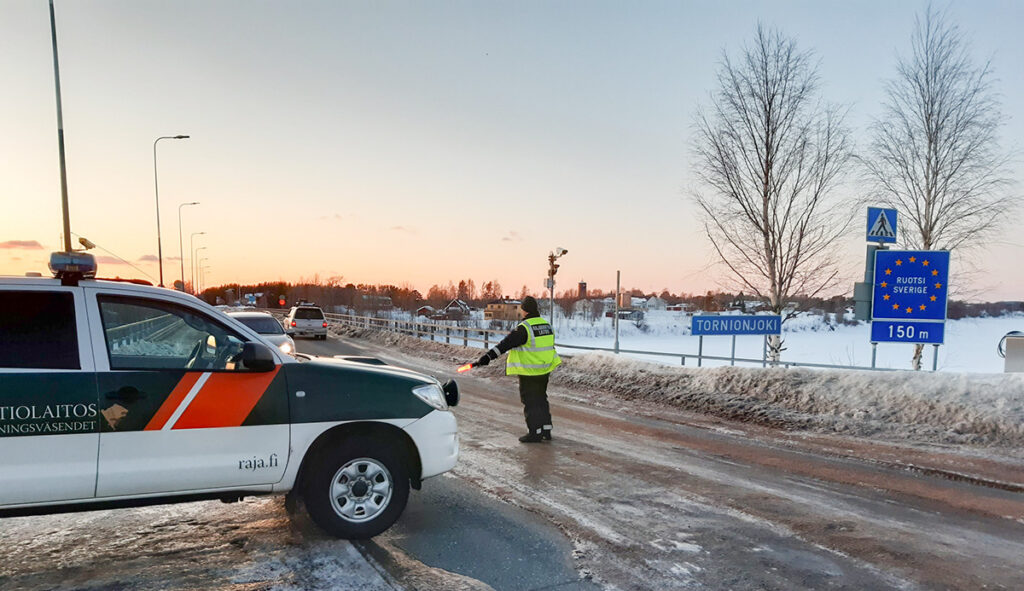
[417, 143]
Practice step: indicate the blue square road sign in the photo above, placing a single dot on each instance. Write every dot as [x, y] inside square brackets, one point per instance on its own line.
[881, 225]
[909, 297]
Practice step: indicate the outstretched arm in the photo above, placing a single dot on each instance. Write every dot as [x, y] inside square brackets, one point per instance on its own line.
[516, 338]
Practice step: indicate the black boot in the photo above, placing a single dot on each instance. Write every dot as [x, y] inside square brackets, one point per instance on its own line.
[546, 434]
[531, 438]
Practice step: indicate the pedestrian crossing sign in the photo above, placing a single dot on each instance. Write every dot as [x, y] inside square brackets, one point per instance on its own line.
[881, 225]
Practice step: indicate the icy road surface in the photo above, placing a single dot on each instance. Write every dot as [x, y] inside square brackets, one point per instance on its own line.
[659, 498]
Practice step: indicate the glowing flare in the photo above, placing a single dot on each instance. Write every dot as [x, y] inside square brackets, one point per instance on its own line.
[465, 368]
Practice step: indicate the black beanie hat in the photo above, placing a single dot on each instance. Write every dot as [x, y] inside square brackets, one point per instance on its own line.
[529, 305]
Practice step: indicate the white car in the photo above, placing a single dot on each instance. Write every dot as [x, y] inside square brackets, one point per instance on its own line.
[114, 394]
[306, 320]
[268, 327]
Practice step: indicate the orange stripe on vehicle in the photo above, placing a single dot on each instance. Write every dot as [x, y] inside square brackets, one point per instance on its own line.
[173, 400]
[225, 400]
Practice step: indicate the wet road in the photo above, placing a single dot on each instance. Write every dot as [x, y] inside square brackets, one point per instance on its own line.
[655, 498]
[627, 496]
[452, 525]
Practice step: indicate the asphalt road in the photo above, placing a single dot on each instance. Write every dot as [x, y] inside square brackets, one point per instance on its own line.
[454, 526]
[657, 498]
[627, 496]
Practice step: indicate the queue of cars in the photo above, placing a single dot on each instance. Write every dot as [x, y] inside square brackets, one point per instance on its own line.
[116, 394]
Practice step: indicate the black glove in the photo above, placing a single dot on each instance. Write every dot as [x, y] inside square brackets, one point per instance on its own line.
[484, 360]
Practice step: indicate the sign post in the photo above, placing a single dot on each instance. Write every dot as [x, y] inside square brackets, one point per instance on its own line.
[747, 324]
[881, 229]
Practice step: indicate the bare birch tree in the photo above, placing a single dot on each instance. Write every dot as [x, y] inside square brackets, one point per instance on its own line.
[934, 154]
[769, 156]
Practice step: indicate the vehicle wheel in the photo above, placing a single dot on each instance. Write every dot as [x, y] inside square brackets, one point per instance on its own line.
[357, 491]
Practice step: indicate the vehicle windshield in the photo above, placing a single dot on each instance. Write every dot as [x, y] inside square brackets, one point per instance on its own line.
[262, 325]
[309, 314]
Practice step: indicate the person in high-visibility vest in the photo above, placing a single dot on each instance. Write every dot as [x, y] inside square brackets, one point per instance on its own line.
[532, 357]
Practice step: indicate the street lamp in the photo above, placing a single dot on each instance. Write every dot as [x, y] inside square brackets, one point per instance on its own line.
[191, 257]
[181, 252]
[156, 190]
[199, 269]
[194, 266]
[552, 269]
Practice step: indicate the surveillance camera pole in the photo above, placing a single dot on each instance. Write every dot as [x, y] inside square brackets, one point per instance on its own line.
[552, 269]
[551, 284]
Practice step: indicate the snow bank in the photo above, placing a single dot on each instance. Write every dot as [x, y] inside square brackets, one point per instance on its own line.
[958, 408]
[979, 409]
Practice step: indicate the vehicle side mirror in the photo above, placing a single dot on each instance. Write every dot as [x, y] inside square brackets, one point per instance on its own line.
[451, 392]
[257, 357]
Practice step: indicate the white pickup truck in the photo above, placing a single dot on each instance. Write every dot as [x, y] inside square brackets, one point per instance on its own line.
[116, 394]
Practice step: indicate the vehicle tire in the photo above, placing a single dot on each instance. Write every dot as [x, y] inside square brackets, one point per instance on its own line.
[358, 490]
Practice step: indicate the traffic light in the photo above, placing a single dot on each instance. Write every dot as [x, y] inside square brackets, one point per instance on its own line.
[280, 301]
[554, 269]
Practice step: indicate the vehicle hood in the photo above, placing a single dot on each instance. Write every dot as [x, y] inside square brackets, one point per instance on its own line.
[277, 339]
[340, 390]
[348, 363]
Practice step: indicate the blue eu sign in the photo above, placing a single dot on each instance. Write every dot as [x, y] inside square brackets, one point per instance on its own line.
[909, 298]
[736, 325]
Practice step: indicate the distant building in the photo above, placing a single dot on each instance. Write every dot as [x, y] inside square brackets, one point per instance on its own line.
[502, 310]
[455, 310]
[583, 291]
[656, 303]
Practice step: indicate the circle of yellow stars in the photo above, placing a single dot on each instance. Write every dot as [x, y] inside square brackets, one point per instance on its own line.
[899, 263]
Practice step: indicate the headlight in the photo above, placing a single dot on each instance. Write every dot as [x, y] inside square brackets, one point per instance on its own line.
[432, 395]
[286, 347]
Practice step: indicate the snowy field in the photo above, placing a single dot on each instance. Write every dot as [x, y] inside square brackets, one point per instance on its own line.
[970, 343]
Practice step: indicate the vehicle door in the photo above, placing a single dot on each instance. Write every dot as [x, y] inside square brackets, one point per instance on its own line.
[183, 414]
[49, 422]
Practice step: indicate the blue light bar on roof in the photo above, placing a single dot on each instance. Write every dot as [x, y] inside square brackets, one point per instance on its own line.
[79, 264]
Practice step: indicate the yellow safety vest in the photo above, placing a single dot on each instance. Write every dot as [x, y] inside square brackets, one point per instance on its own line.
[537, 357]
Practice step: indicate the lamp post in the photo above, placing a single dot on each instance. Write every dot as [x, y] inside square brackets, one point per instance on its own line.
[156, 190]
[191, 257]
[181, 251]
[199, 268]
[195, 267]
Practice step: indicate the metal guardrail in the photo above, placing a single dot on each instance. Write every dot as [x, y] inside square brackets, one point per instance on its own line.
[127, 334]
[465, 334]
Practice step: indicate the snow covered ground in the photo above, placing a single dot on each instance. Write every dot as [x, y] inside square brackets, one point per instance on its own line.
[953, 406]
[970, 343]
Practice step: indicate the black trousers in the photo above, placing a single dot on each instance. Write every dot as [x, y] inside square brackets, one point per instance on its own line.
[533, 392]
